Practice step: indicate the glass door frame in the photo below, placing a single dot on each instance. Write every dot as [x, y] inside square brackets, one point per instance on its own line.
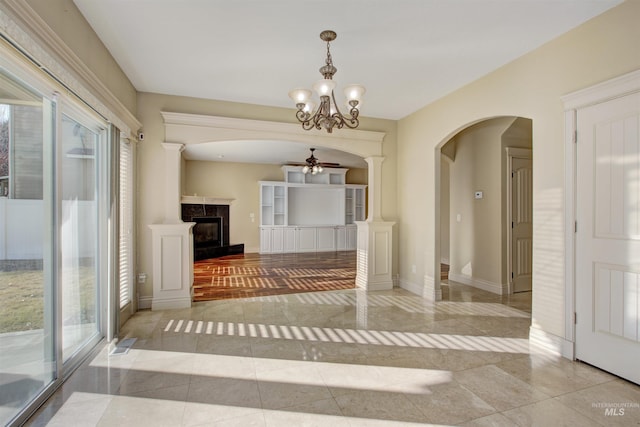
[58, 101]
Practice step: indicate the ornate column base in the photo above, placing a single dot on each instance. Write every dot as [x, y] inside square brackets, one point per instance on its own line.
[374, 255]
[172, 265]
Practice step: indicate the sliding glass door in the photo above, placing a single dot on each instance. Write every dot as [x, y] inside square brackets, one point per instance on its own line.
[55, 213]
[79, 156]
[27, 262]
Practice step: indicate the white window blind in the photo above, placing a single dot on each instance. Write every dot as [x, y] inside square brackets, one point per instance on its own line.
[126, 222]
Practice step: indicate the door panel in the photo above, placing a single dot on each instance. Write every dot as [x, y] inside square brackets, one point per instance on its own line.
[608, 236]
[522, 224]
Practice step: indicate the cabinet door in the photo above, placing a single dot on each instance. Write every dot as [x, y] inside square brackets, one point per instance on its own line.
[326, 238]
[279, 205]
[306, 239]
[349, 203]
[265, 240]
[277, 240]
[266, 204]
[352, 238]
[289, 239]
[341, 238]
[359, 204]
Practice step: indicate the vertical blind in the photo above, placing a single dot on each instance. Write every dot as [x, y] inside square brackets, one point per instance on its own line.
[126, 222]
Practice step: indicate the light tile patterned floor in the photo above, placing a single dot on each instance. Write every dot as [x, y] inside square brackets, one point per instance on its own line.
[339, 358]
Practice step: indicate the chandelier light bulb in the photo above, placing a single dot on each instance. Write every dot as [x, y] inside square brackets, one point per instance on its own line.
[354, 92]
[300, 96]
[305, 169]
[324, 87]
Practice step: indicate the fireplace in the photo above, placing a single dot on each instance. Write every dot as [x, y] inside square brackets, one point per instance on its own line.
[211, 232]
[207, 232]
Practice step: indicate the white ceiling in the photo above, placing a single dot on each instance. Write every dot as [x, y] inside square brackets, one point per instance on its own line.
[407, 53]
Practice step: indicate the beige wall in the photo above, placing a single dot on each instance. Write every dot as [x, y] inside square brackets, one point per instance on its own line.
[67, 22]
[244, 178]
[476, 240]
[479, 239]
[529, 87]
[238, 181]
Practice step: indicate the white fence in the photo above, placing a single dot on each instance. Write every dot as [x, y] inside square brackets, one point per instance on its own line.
[22, 228]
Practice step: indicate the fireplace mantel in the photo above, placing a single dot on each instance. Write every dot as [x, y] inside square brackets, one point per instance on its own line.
[205, 200]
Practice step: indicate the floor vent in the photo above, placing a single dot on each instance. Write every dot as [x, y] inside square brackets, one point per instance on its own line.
[123, 347]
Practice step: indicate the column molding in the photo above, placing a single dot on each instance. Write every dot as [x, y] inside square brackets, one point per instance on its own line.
[173, 184]
[375, 188]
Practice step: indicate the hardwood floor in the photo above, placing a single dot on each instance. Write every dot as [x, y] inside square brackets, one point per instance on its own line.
[252, 275]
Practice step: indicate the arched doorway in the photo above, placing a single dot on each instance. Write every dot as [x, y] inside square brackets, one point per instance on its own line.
[485, 202]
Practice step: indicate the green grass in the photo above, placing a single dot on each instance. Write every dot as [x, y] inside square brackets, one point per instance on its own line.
[22, 300]
[22, 297]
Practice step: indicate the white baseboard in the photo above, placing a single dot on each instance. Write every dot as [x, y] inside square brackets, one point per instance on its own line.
[542, 341]
[429, 290]
[411, 287]
[485, 285]
[170, 303]
[144, 303]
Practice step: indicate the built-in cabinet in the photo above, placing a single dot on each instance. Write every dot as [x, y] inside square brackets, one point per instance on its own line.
[277, 239]
[310, 213]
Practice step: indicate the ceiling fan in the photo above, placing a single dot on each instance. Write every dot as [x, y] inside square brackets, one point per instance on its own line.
[312, 161]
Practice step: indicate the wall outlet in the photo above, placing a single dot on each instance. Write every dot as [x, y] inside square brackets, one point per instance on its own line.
[142, 278]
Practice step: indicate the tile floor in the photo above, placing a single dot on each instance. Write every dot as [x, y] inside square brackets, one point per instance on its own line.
[339, 358]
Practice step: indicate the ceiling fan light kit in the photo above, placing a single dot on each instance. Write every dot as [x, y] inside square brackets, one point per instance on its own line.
[312, 165]
[327, 116]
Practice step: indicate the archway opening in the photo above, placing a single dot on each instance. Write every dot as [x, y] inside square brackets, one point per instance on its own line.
[484, 211]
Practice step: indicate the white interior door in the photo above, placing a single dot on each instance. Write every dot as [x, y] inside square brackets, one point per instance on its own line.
[608, 236]
[521, 223]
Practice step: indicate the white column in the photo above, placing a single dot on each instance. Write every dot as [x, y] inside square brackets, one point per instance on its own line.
[172, 241]
[375, 237]
[172, 182]
[172, 265]
[375, 188]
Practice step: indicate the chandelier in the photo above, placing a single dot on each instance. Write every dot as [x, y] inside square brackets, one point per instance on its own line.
[313, 165]
[328, 114]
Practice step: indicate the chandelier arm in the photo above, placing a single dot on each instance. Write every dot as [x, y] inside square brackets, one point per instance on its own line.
[351, 121]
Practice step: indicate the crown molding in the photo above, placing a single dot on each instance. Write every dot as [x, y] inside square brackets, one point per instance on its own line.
[35, 37]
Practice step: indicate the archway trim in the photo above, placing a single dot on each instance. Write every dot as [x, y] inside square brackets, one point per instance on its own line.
[196, 129]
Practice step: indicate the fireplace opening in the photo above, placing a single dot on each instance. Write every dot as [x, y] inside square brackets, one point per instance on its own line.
[207, 232]
[211, 231]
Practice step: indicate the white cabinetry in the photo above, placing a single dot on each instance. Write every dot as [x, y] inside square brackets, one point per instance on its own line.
[310, 213]
[273, 204]
[307, 239]
[354, 203]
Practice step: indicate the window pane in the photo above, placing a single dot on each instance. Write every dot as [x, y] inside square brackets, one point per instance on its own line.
[27, 362]
[78, 235]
